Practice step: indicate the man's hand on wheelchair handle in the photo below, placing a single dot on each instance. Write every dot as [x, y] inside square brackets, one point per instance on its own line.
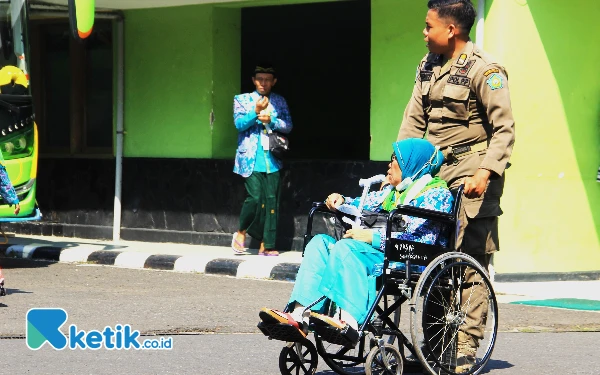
[334, 200]
[364, 235]
[475, 185]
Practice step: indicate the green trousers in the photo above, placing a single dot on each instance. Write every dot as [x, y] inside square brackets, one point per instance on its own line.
[261, 207]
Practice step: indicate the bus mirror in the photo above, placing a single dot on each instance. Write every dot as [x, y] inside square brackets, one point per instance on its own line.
[81, 18]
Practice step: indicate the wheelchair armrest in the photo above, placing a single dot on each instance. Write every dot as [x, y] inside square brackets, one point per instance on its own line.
[319, 204]
[423, 213]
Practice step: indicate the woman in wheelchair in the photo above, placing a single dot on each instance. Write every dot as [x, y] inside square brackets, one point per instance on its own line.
[344, 271]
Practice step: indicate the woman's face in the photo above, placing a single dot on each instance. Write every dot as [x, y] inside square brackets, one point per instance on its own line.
[394, 175]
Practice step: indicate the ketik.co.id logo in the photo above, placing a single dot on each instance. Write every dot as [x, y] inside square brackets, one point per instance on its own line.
[43, 325]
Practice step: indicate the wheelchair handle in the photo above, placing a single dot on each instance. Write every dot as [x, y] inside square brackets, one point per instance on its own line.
[367, 182]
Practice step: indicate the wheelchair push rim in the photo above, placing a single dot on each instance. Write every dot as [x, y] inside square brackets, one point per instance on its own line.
[445, 305]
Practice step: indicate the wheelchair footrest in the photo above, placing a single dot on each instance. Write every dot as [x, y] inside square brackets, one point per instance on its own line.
[281, 331]
[347, 337]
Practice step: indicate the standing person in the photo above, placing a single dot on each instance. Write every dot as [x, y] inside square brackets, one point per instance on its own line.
[461, 100]
[255, 114]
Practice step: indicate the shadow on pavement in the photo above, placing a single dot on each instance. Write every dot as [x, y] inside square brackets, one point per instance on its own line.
[11, 263]
[496, 364]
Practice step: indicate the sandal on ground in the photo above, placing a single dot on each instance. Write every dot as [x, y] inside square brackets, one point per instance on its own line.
[237, 246]
[269, 253]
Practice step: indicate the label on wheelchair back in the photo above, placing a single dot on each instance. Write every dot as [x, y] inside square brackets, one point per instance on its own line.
[415, 252]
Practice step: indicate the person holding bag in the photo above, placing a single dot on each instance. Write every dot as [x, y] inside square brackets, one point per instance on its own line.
[257, 116]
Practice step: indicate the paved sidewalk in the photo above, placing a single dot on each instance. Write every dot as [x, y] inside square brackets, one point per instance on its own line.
[220, 260]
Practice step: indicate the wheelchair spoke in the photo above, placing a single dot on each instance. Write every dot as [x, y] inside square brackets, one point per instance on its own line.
[453, 303]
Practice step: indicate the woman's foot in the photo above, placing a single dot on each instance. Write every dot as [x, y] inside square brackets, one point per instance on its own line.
[237, 243]
[272, 316]
[267, 252]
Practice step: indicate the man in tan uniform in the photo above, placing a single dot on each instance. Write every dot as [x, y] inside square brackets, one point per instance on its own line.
[461, 100]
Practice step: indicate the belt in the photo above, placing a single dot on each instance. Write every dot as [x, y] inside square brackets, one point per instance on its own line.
[452, 153]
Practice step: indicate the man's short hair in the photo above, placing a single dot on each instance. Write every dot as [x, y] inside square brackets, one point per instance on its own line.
[460, 12]
[265, 67]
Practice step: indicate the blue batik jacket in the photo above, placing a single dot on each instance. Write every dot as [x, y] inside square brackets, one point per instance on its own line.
[249, 128]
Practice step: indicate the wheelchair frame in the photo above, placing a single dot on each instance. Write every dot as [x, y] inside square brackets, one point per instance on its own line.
[427, 290]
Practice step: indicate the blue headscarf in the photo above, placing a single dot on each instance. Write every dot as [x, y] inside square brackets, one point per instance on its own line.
[417, 157]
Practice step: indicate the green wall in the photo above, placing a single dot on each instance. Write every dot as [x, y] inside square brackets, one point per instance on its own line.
[397, 46]
[551, 201]
[226, 80]
[168, 82]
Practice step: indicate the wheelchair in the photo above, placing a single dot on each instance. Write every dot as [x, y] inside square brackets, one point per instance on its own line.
[449, 295]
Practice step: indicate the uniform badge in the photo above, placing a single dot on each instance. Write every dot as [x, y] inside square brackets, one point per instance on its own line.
[461, 59]
[425, 75]
[465, 69]
[459, 80]
[490, 71]
[495, 81]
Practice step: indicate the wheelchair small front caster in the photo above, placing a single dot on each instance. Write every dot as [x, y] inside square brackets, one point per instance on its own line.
[298, 358]
[384, 360]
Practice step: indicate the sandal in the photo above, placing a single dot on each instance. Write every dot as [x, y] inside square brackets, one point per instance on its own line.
[334, 331]
[271, 316]
[240, 245]
[269, 253]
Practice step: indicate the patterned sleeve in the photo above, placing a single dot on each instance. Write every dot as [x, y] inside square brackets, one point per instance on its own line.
[6, 188]
[372, 202]
[282, 121]
[422, 230]
[242, 118]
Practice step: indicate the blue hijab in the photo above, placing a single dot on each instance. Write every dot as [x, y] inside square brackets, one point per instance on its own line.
[417, 157]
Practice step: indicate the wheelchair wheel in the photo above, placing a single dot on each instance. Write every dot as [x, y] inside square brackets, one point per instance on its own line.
[344, 360]
[384, 360]
[298, 358]
[348, 361]
[454, 316]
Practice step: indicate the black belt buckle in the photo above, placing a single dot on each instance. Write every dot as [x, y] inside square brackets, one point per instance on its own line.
[460, 150]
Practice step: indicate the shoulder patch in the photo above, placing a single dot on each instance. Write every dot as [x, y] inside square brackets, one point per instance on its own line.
[459, 80]
[490, 71]
[495, 81]
[461, 59]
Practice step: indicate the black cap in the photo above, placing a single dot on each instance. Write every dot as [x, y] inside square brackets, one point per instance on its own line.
[265, 68]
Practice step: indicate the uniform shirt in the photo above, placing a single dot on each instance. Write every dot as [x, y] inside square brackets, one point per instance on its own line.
[250, 155]
[465, 102]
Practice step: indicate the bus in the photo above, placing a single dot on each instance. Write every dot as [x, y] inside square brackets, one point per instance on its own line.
[18, 130]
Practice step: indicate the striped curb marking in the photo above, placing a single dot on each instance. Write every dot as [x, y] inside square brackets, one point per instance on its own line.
[262, 268]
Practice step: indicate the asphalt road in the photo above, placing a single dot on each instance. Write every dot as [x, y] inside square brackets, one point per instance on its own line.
[212, 321]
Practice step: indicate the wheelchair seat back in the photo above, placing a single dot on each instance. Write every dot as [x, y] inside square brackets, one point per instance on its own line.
[417, 253]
